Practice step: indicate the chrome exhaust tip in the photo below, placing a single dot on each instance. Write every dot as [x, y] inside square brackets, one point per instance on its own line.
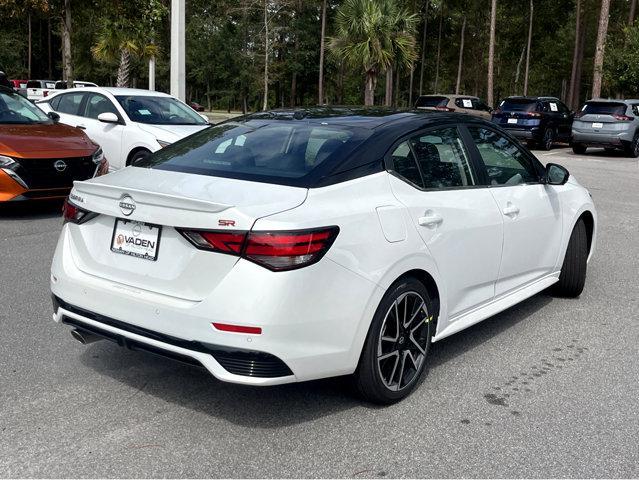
[85, 338]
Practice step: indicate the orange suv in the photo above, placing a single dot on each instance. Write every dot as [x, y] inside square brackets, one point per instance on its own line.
[40, 158]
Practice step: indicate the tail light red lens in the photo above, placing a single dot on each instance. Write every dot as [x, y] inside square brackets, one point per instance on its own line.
[277, 250]
[623, 118]
[74, 214]
[445, 109]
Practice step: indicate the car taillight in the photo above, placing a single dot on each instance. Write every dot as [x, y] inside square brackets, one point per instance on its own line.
[45, 93]
[445, 109]
[623, 118]
[276, 250]
[534, 114]
[579, 114]
[74, 214]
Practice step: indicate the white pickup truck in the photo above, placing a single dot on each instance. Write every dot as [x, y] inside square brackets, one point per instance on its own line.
[39, 89]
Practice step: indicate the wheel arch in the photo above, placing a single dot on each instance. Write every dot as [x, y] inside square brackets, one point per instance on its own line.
[429, 283]
[133, 152]
[589, 221]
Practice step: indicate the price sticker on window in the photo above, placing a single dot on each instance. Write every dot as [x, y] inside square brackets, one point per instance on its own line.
[553, 107]
[467, 103]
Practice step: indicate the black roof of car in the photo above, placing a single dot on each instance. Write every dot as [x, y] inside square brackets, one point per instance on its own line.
[521, 97]
[365, 117]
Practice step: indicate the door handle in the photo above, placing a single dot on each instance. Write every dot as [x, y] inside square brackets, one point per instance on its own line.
[430, 219]
[511, 210]
[81, 127]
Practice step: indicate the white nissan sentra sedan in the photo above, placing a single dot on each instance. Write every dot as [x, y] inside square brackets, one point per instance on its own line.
[129, 124]
[294, 245]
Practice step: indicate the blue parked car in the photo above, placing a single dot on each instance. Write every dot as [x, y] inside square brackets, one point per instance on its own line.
[540, 121]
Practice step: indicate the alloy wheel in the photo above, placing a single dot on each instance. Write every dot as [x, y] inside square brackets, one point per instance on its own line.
[403, 341]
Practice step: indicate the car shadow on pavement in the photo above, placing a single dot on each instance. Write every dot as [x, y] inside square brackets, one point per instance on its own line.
[35, 210]
[277, 406]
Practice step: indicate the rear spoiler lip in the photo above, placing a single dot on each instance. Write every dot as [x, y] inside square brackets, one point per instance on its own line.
[147, 197]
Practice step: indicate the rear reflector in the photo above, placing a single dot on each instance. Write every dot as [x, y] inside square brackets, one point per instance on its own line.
[224, 327]
[276, 250]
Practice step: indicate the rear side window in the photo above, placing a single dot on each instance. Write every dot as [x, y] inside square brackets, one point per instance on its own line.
[442, 159]
[603, 108]
[70, 103]
[271, 152]
[431, 101]
[505, 162]
[518, 105]
[472, 103]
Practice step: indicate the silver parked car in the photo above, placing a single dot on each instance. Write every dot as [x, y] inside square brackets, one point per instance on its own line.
[611, 124]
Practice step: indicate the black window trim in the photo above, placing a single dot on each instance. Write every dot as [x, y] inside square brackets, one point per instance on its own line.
[536, 164]
[388, 166]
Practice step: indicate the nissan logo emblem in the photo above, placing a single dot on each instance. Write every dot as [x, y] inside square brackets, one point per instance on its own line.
[60, 165]
[127, 205]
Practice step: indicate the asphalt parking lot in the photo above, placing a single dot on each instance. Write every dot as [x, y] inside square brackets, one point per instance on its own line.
[549, 388]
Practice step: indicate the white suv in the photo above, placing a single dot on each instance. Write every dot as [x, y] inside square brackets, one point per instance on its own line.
[127, 123]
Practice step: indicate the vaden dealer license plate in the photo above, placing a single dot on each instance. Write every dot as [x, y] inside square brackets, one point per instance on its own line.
[137, 239]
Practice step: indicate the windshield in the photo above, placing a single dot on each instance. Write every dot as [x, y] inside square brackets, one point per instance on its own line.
[158, 110]
[15, 109]
[431, 102]
[272, 152]
[515, 105]
[603, 108]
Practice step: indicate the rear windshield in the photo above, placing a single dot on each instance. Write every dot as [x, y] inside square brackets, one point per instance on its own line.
[604, 108]
[518, 105]
[433, 101]
[274, 152]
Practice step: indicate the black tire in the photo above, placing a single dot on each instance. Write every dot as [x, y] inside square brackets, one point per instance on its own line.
[139, 155]
[573, 271]
[578, 148]
[375, 376]
[548, 139]
[631, 149]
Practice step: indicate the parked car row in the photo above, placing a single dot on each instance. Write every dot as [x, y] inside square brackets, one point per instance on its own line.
[542, 121]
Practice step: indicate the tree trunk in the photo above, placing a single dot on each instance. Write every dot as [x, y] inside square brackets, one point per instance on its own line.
[30, 48]
[491, 54]
[518, 69]
[530, 28]
[602, 32]
[461, 57]
[124, 69]
[265, 103]
[50, 49]
[67, 59]
[439, 46]
[632, 12]
[574, 81]
[320, 89]
[388, 98]
[423, 59]
[410, 86]
[396, 88]
[369, 88]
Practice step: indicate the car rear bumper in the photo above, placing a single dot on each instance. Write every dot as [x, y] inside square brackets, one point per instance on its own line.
[601, 139]
[313, 320]
[523, 133]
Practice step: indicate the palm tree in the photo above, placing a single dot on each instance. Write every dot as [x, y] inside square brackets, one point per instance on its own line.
[374, 35]
[120, 41]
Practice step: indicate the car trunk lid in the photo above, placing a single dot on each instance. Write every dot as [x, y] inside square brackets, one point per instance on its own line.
[170, 201]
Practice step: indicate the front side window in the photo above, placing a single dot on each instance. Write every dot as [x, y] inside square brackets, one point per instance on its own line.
[158, 110]
[70, 103]
[15, 109]
[98, 104]
[442, 159]
[506, 163]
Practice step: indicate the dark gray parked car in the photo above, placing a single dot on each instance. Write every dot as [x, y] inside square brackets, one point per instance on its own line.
[611, 124]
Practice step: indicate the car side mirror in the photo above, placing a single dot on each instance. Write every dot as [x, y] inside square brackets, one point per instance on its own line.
[556, 174]
[206, 119]
[53, 116]
[108, 117]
